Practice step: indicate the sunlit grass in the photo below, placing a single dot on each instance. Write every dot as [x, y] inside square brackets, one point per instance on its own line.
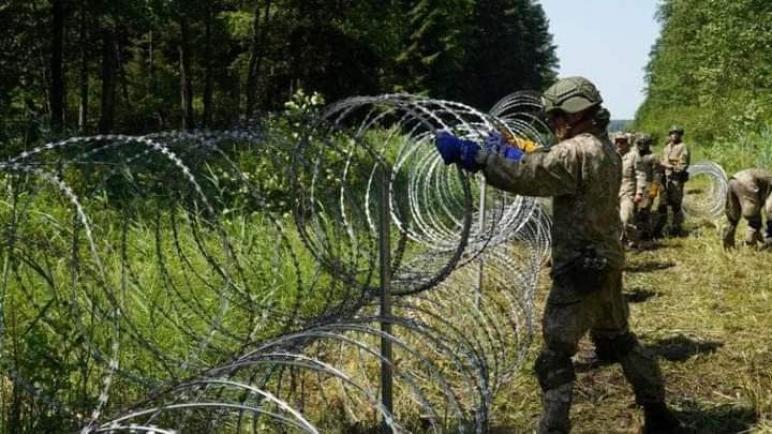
[706, 313]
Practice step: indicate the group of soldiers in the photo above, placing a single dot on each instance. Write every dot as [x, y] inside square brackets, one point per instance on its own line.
[648, 179]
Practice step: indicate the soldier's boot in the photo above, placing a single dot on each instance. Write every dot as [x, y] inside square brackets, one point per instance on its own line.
[728, 235]
[556, 376]
[557, 407]
[658, 419]
[642, 371]
[754, 232]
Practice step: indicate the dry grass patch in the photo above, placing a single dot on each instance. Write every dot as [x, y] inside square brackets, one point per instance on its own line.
[708, 315]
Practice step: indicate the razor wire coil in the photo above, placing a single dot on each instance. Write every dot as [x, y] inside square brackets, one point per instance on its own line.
[258, 318]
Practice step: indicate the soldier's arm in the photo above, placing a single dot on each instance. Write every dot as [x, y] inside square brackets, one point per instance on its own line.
[551, 173]
[685, 159]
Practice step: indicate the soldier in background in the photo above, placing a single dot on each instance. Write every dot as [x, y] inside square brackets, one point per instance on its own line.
[675, 161]
[749, 191]
[632, 188]
[653, 175]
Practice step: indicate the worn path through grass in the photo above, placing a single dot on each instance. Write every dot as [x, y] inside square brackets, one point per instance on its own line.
[708, 316]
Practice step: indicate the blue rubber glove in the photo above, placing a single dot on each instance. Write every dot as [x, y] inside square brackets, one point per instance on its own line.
[455, 150]
[512, 153]
[495, 142]
[449, 147]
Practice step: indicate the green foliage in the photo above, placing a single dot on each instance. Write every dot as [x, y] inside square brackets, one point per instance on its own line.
[711, 69]
[741, 150]
[510, 48]
[258, 52]
[238, 24]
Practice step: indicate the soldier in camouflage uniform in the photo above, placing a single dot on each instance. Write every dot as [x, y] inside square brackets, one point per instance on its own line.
[632, 189]
[749, 191]
[675, 161]
[583, 175]
[653, 181]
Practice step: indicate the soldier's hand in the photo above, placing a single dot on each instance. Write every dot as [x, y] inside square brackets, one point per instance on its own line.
[455, 150]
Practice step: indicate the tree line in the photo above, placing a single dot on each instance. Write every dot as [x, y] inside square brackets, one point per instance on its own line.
[143, 65]
[710, 69]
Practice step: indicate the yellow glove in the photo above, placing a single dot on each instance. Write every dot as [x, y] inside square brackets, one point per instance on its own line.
[653, 190]
[526, 145]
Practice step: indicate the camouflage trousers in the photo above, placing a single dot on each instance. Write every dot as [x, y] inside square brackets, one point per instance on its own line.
[745, 201]
[670, 198]
[571, 311]
[644, 221]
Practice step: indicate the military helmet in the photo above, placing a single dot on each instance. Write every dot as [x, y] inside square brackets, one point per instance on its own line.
[676, 129]
[643, 141]
[571, 95]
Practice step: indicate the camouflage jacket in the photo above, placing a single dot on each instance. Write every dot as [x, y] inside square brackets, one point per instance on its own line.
[652, 173]
[677, 156]
[583, 174]
[633, 175]
[758, 181]
[649, 164]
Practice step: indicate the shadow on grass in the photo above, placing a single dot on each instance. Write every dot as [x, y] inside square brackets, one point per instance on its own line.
[680, 348]
[639, 295]
[649, 266]
[722, 419]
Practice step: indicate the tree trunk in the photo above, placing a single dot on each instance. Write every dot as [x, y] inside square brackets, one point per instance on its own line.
[107, 115]
[57, 94]
[186, 83]
[121, 75]
[208, 79]
[256, 57]
[83, 108]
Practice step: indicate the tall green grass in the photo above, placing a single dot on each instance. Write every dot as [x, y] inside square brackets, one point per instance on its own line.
[740, 151]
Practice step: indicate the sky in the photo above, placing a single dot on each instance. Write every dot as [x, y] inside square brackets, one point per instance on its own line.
[607, 41]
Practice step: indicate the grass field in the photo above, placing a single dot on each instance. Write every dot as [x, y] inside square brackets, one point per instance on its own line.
[708, 316]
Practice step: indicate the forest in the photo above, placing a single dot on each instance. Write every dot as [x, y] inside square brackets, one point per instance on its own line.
[711, 70]
[86, 66]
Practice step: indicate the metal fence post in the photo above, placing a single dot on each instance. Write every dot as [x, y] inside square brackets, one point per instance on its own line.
[481, 263]
[387, 390]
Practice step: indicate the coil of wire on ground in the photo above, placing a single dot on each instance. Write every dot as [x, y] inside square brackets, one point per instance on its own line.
[257, 320]
[130, 258]
[705, 193]
[445, 371]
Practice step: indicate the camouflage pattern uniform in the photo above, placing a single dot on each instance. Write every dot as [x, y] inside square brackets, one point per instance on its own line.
[633, 184]
[583, 174]
[675, 160]
[749, 191]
